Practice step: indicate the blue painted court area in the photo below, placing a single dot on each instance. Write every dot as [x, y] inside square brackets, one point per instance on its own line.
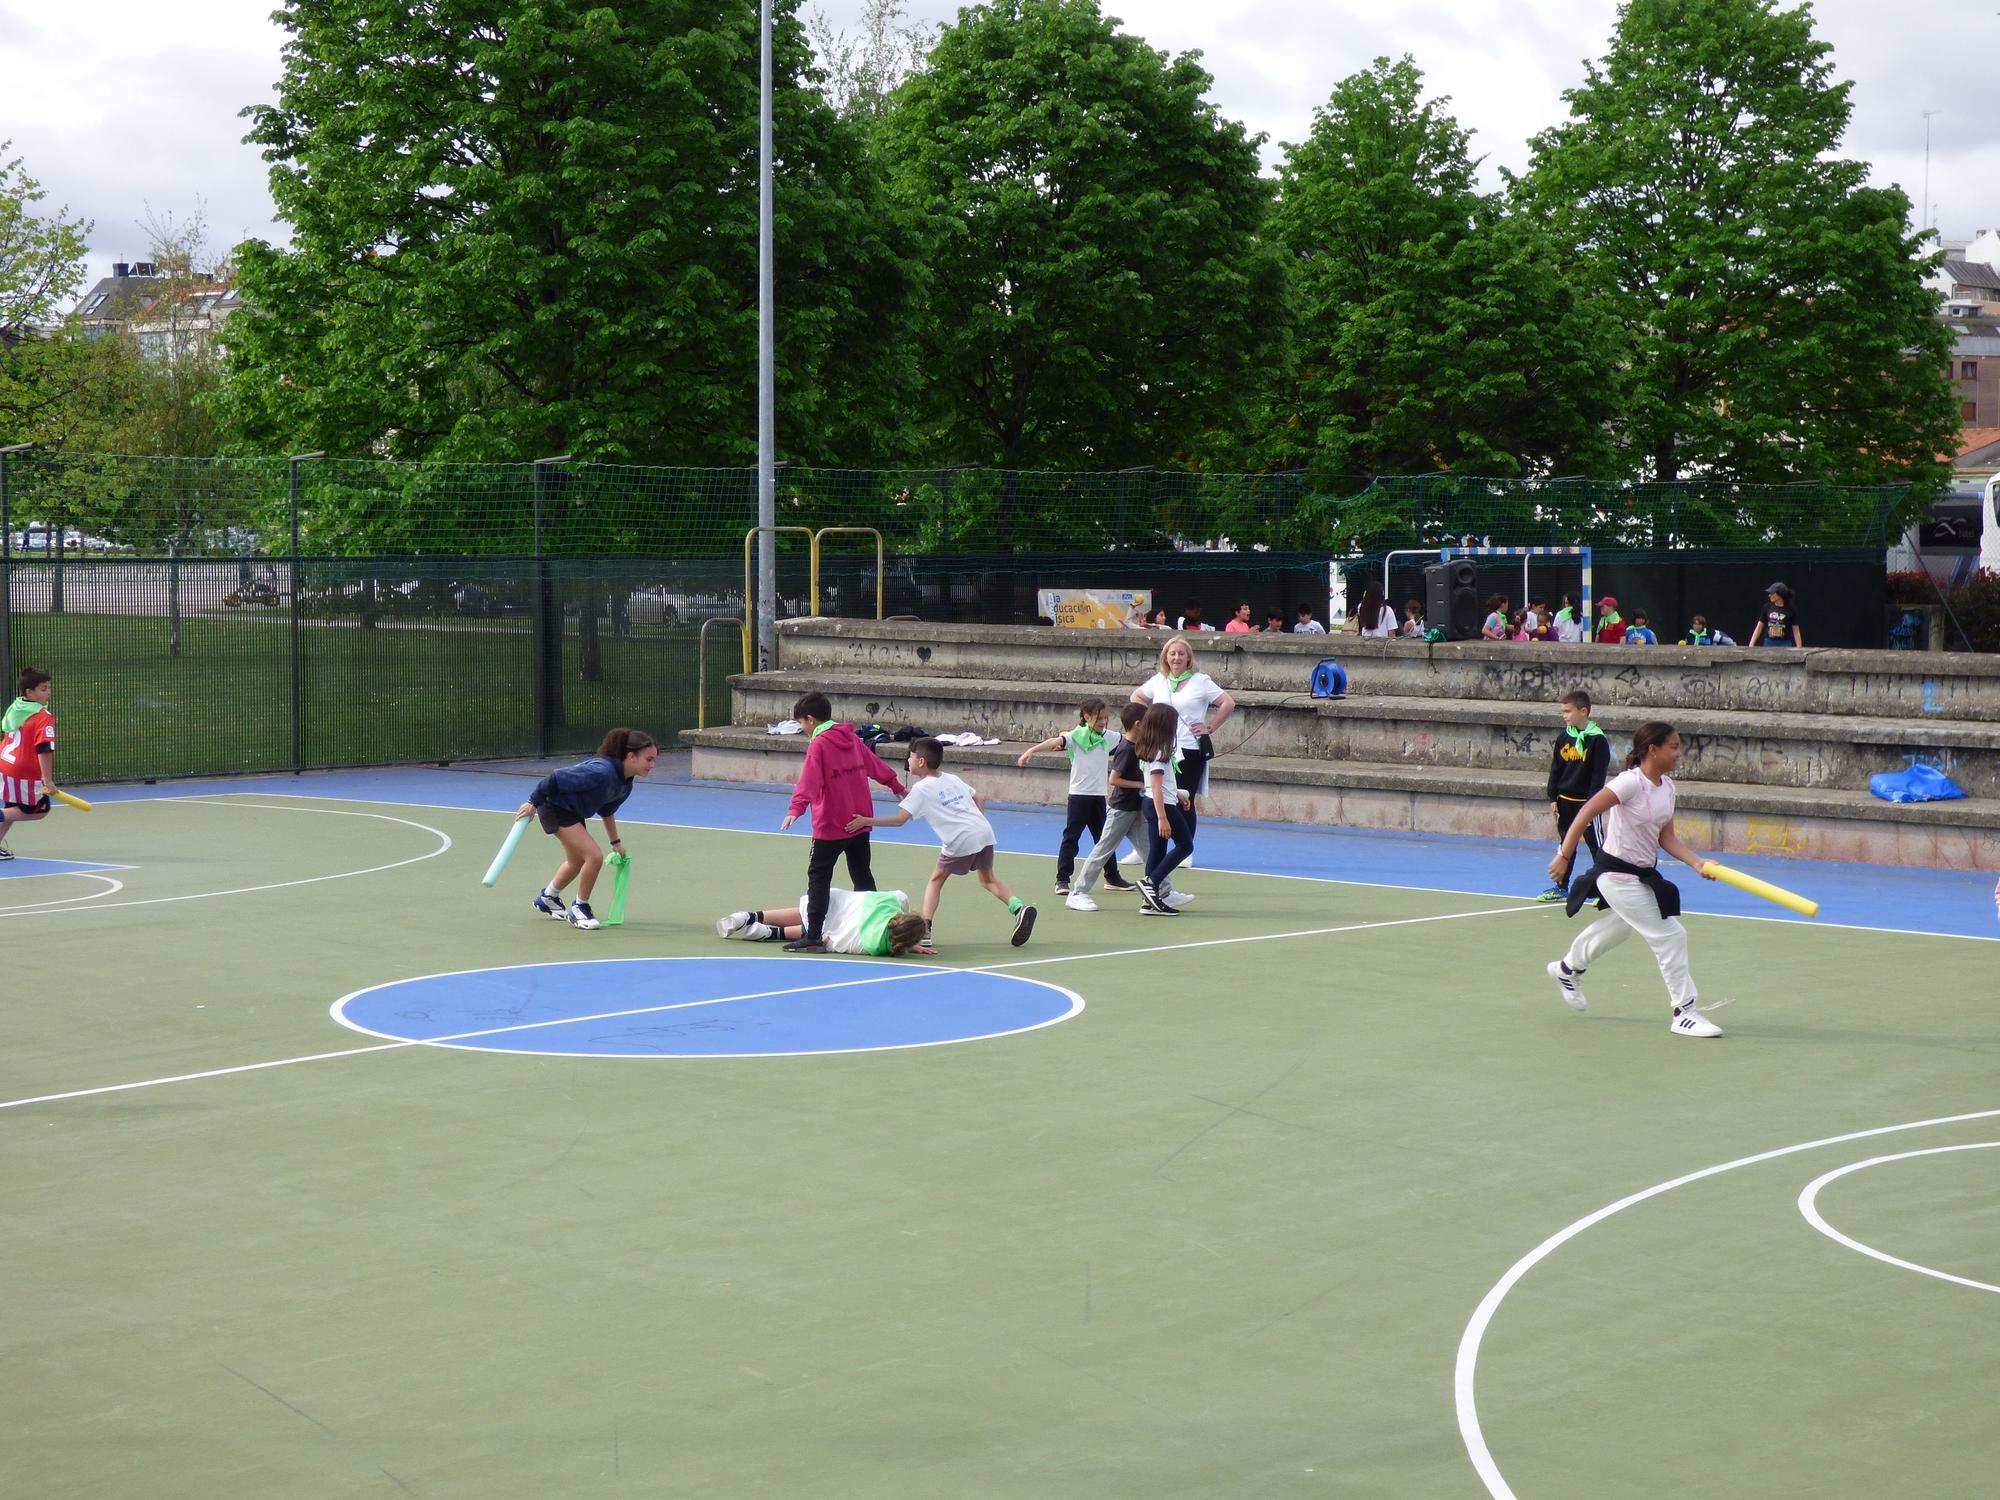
[706, 1007]
[21, 867]
[1955, 903]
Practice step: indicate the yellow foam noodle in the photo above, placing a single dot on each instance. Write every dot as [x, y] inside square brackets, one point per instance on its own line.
[76, 802]
[1790, 900]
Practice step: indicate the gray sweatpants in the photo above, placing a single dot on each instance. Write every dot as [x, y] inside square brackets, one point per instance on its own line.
[1119, 824]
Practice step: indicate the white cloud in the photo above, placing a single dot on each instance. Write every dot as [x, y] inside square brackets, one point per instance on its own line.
[117, 104]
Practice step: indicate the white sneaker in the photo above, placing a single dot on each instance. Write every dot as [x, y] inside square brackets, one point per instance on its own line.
[759, 932]
[1079, 901]
[1567, 986]
[1175, 899]
[1689, 1021]
[732, 924]
[580, 915]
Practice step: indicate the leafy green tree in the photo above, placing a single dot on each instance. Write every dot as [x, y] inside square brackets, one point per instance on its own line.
[42, 258]
[861, 72]
[1430, 329]
[529, 227]
[1773, 321]
[1098, 294]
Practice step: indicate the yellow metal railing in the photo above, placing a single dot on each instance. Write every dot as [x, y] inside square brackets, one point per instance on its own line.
[749, 593]
[701, 668]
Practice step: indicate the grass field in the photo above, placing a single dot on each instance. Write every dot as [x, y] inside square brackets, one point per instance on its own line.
[1270, 1215]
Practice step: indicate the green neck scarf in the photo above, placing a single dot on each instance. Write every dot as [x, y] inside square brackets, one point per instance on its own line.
[825, 725]
[1085, 739]
[1176, 679]
[18, 713]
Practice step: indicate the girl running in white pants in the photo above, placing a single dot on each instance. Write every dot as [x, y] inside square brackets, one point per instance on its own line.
[1638, 808]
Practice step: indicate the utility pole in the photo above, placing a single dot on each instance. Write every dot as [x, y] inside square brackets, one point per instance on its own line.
[767, 400]
[1929, 208]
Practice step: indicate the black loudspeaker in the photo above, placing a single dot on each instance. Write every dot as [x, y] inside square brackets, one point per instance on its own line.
[1451, 598]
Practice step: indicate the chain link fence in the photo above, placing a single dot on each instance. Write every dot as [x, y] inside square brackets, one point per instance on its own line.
[210, 616]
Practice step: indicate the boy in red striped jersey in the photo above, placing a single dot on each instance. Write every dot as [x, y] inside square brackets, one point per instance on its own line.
[27, 754]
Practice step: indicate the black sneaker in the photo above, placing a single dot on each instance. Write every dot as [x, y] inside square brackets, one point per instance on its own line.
[1118, 885]
[1024, 924]
[806, 945]
[1150, 899]
[5, 852]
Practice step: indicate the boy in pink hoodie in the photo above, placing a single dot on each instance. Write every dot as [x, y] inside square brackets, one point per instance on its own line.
[834, 785]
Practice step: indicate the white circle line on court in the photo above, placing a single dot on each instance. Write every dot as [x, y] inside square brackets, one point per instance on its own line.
[112, 888]
[1463, 1374]
[1809, 1206]
[237, 801]
[457, 1041]
[281, 1062]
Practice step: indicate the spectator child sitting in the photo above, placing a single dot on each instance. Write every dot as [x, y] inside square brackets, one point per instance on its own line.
[1306, 624]
[1413, 620]
[1274, 622]
[1569, 622]
[1638, 633]
[1239, 622]
[1498, 627]
[1610, 624]
[1697, 633]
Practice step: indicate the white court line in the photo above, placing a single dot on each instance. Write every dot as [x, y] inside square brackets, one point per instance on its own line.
[1809, 1206]
[1429, 890]
[444, 845]
[1463, 1389]
[283, 1062]
[113, 887]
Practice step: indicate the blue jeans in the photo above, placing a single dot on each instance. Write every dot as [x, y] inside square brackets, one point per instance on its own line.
[1168, 853]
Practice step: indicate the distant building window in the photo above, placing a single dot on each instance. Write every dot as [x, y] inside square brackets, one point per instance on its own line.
[1969, 410]
[1968, 369]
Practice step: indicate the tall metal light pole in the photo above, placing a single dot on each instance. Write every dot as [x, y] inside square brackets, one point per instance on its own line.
[767, 402]
[1930, 219]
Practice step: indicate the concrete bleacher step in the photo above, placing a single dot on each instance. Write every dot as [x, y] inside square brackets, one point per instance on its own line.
[1920, 686]
[1835, 752]
[1716, 817]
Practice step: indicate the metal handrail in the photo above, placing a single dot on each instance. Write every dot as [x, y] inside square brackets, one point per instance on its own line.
[749, 594]
[881, 564]
[701, 665]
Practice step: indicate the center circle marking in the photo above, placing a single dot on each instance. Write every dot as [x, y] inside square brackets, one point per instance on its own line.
[704, 1007]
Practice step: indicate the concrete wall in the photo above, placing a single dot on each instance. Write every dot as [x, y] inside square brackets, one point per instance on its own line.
[1893, 684]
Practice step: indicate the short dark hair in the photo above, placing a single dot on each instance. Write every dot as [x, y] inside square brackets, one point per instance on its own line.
[812, 706]
[929, 751]
[1303, 609]
[1131, 714]
[1576, 698]
[1638, 616]
[32, 678]
[1274, 613]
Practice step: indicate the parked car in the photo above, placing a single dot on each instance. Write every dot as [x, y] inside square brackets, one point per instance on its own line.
[662, 608]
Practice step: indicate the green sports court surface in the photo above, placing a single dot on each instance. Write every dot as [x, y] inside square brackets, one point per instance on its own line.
[330, 1173]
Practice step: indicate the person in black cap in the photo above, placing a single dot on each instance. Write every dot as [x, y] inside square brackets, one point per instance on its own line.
[1780, 626]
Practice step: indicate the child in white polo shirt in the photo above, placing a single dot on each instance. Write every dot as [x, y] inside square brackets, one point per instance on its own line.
[957, 815]
[1089, 749]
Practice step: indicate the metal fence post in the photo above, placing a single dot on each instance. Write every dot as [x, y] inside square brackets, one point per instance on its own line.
[548, 620]
[298, 642]
[7, 564]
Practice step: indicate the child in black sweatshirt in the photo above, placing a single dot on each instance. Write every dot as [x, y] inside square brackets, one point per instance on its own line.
[1577, 769]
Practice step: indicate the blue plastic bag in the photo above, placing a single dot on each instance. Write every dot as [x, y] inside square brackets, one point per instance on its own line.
[1918, 784]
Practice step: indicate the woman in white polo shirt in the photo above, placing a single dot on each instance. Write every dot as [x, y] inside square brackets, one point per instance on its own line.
[1638, 808]
[1203, 706]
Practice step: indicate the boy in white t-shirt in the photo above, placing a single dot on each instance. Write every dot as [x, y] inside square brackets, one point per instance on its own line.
[879, 923]
[957, 815]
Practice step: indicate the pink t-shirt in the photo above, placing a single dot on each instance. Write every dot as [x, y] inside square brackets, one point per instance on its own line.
[1632, 828]
[1239, 627]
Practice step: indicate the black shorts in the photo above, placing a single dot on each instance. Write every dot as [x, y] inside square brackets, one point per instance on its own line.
[553, 817]
[30, 807]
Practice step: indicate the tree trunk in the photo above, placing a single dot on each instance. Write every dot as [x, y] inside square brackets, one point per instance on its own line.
[589, 650]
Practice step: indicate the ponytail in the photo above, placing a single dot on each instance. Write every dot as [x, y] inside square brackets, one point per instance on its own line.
[1087, 709]
[623, 742]
[1645, 737]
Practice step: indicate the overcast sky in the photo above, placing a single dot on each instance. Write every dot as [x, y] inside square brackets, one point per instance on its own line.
[117, 105]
